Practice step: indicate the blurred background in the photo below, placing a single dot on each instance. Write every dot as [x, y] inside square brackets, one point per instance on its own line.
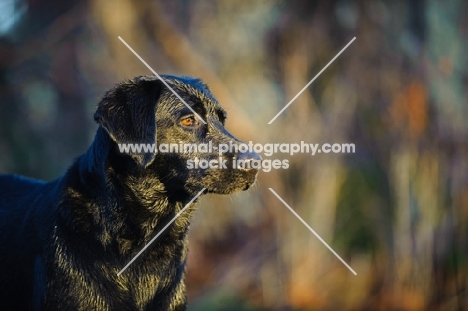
[396, 210]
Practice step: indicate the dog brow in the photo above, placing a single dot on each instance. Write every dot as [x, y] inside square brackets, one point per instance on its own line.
[222, 114]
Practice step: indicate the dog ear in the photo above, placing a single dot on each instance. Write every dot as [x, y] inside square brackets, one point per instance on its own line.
[128, 113]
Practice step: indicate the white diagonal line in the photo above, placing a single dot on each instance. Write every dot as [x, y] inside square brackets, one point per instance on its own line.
[156, 74]
[160, 232]
[307, 85]
[312, 230]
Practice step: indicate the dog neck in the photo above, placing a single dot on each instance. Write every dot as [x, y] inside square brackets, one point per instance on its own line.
[140, 207]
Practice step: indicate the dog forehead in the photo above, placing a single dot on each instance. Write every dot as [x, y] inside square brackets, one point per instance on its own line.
[188, 88]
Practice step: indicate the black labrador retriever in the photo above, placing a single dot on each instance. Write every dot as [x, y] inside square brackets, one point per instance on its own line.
[63, 243]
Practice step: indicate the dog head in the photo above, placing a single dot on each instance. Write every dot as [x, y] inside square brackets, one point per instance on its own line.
[145, 113]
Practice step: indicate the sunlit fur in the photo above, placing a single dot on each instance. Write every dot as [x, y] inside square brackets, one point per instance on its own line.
[64, 242]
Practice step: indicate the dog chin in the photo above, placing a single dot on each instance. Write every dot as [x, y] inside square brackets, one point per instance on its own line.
[231, 190]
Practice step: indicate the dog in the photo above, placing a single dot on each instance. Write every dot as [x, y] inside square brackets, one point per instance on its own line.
[64, 242]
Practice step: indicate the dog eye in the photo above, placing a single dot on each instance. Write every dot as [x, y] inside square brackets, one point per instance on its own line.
[189, 121]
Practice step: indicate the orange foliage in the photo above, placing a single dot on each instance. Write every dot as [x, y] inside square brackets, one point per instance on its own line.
[409, 110]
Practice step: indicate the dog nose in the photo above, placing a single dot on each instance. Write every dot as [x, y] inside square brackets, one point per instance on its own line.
[246, 161]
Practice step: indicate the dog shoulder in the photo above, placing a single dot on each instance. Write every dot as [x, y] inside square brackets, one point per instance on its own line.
[16, 188]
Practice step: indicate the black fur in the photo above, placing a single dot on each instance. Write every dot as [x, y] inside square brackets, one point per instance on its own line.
[63, 242]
